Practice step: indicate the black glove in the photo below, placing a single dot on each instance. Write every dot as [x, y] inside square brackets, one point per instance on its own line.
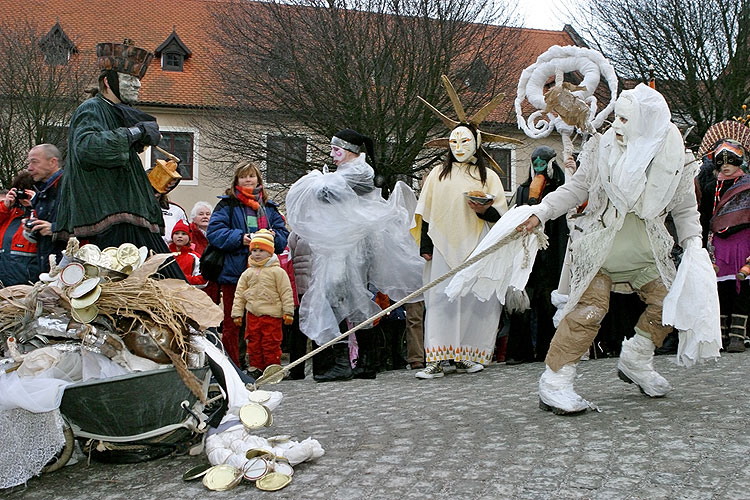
[150, 135]
[144, 134]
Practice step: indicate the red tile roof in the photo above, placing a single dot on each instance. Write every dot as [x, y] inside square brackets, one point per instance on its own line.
[149, 22]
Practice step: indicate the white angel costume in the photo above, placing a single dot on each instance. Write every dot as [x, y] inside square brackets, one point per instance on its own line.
[463, 329]
[357, 238]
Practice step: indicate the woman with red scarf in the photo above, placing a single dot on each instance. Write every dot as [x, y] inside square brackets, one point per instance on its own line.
[240, 212]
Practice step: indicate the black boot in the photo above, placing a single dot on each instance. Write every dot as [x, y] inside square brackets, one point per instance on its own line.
[341, 369]
[737, 333]
[724, 324]
[367, 361]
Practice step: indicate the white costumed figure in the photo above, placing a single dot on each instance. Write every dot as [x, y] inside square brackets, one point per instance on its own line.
[358, 239]
[457, 205]
[632, 176]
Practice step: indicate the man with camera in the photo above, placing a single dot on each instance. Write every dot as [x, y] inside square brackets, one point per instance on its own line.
[106, 198]
[44, 163]
[18, 258]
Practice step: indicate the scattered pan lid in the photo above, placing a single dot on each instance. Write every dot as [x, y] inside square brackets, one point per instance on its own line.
[84, 288]
[85, 314]
[273, 481]
[88, 299]
[254, 415]
[255, 468]
[222, 477]
[256, 452]
[108, 262]
[196, 472]
[111, 251]
[128, 254]
[72, 274]
[259, 396]
[92, 271]
[143, 253]
[283, 467]
[89, 253]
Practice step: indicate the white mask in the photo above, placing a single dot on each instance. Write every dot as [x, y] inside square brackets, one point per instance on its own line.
[625, 117]
[463, 144]
[129, 88]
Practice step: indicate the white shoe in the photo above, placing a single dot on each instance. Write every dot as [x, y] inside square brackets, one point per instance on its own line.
[467, 366]
[636, 366]
[432, 370]
[556, 393]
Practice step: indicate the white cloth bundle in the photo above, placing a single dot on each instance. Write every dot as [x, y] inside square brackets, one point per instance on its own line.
[692, 306]
[510, 265]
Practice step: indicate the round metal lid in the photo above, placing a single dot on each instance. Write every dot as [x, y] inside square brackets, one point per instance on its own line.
[222, 477]
[72, 274]
[255, 468]
[128, 254]
[88, 299]
[86, 287]
[254, 415]
[196, 472]
[85, 314]
[273, 481]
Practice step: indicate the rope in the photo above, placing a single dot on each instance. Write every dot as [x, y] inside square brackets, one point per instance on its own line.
[538, 232]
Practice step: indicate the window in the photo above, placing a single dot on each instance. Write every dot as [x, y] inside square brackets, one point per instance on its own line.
[502, 158]
[56, 47]
[286, 159]
[172, 61]
[179, 144]
[173, 52]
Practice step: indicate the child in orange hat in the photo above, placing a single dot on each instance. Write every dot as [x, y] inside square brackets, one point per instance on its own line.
[264, 293]
[188, 260]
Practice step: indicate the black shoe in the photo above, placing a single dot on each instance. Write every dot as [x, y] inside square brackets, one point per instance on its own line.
[338, 372]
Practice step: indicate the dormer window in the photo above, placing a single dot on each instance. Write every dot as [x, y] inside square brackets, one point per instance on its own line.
[56, 46]
[173, 53]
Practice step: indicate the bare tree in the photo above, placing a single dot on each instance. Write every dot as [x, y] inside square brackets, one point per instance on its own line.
[42, 82]
[312, 67]
[698, 50]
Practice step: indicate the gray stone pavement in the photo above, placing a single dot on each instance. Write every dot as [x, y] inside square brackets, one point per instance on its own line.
[481, 436]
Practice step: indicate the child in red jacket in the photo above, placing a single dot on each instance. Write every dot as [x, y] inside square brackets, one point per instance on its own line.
[188, 260]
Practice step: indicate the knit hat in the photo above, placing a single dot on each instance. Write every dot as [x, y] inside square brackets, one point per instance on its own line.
[181, 226]
[262, 239]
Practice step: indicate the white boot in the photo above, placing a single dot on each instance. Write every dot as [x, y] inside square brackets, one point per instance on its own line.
[556, 393]
[636, 366]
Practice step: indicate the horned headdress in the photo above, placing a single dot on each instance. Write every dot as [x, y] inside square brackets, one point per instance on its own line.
[474, 121]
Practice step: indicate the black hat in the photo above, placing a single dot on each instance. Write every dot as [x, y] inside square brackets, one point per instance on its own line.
[546, 153]
[353, 141]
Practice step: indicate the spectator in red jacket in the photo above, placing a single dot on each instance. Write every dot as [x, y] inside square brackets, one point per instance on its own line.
[18, 259]
[187, 259]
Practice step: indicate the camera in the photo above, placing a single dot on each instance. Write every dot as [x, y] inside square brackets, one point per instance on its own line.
[22, 195]
[28, 230]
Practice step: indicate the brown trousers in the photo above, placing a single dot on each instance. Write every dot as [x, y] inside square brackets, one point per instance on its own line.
[578, 329]
[414, 332]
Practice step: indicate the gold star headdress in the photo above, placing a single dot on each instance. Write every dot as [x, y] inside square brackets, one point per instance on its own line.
[474, 121]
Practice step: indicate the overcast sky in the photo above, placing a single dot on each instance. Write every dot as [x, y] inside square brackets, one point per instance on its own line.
[542, 14]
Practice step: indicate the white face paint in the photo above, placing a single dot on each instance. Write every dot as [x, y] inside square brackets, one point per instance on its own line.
[463, 144]
[341, 155]
[624, 120]
[129, 88]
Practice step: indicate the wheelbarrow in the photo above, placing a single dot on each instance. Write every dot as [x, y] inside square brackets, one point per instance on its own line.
[134, 417]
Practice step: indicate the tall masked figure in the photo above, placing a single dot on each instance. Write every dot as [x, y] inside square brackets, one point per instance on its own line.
[531, 331]
[360, 244]
[105, 196]
[632, 176]
[458, 203]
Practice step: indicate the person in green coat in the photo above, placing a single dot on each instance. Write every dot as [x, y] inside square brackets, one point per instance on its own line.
[106, 197]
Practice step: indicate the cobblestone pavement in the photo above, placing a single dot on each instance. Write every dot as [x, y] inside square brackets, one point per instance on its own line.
[481, 436]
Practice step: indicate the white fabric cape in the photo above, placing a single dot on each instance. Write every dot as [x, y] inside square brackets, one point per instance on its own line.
[692, 306]
[509, 266]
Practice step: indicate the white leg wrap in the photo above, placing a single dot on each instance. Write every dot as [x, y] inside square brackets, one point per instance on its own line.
[637, 364]
[556, 390]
